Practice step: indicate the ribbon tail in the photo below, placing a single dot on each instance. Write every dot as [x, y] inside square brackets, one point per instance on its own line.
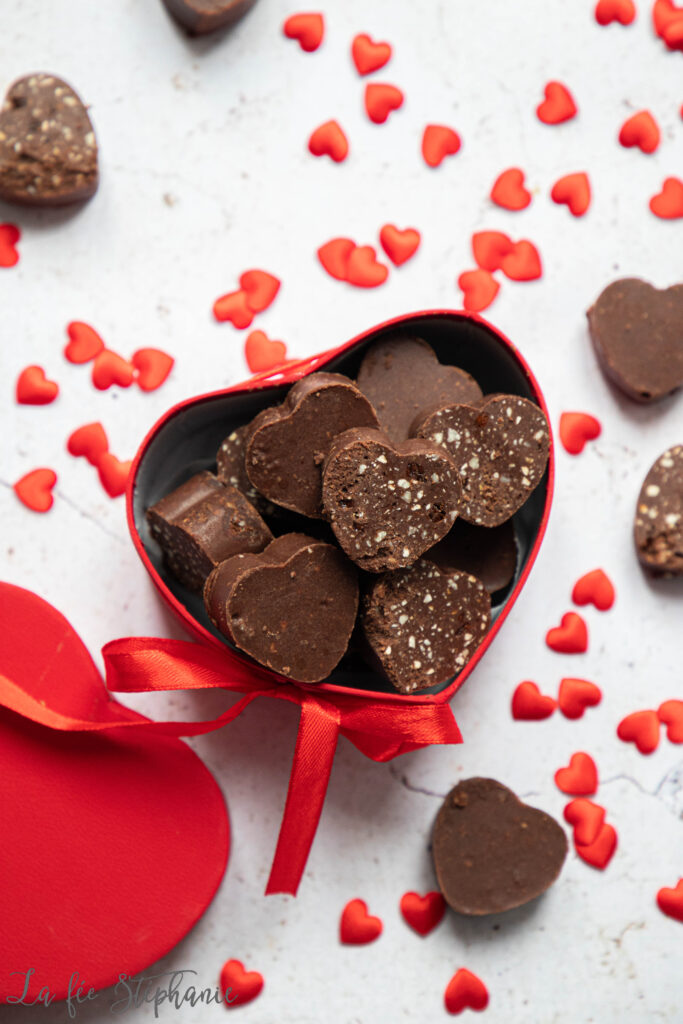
[313, 755]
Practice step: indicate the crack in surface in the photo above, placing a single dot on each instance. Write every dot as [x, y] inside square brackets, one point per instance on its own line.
[401, 777]
[89, 516]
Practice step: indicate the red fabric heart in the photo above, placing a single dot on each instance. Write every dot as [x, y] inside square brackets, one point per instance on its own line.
[641, 728]
[263, 354]
[33, 387]
[570, 637]
[35, 489]
[489, 248]
[334, 256]
[307, 29]
[399, 245]
[599, 853]
[238, 985]
[574, 191]
[260, 288]
[594, 588]
[670, 714]
[670, 901]
[668, 204]
[113, 474]
[479, 288]
[110, 368]
[363, 269]
[642, 131]
[580, 777]
[523, 263]
[422, 913]
[153, 367]
[357, 927]
[9, 236]
[438, 142]
[509, 192]
[380, 100]
[575, 695]
[587, 819]
[465, 991]
[529, 704]
[607, 11]
[329, 140]
[369, 56]
[576, 428]
[235, 308]
[84, 342]
[89, 440]
[558, 105]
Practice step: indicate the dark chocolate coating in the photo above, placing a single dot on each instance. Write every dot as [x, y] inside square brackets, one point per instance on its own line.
[48, 151]
[401, 376]
[501, 451]
[492, 852]
[202, 523]
[201, 16]
[637, 333]
[658, 527]
[230, 469]
[292, 608]
[388, 503]
[423, 625]
[287, 444]
[490, 554]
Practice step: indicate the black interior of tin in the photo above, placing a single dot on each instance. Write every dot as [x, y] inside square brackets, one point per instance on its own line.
[188, 443]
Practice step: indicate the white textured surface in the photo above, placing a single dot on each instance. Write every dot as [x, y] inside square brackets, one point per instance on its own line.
[205, 173]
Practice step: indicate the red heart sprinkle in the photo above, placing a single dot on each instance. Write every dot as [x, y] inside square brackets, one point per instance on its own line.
[668, 23]
[607, 11]
[369, 56]
[465, 991]
[594, 588]
[575, 695]
[529, 704]
[399, 245]
[356, 926]
[113, 474]
[363, 269]
[239, 986]
[9, 236]
[308, 29]
[334, 256]
[33, 387]
[573, 190]
[263, 354]
[110, 368]
[558, 105]
[235, 308]
[153, 367]
[673, 34]
[580, 777]
[509, 192]
[570, 637]
[489, 249]
[670, 713]
[668, 204]
[670, 901]
[438, 142]
[89, 440]
[329, 140]
[642, 131]
[576, 428]
[479, 289]
[523, 263]
[587, 819]
[599, 853]
[84, 343]
[422, 913]
[35, 489]
[641, 728]
[260, 289]
[380, 100]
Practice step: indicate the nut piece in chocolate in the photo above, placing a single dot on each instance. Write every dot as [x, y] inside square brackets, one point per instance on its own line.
[388, 503]
[287, 444]
[492, 852]
[292, 607]
[489, 553]
[501, 451]
[201, 16]
[48, 151]
[637, 333]
[658, 528]
[200, 524]
[401, 376]
[423, 625]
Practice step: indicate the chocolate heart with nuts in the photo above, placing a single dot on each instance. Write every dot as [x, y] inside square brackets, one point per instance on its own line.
[48, 152]
[658, 528]
[202, 16]
[492, 852]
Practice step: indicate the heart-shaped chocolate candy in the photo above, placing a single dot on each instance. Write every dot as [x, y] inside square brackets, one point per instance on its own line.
[292, 607]
[48, 152]
[489, 553]
[202, 16]
[637, 333]
[500, 449]
[492, 852]
[658, 529]
[387, 503]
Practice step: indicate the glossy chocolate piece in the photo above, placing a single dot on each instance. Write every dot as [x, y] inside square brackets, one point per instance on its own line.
[658, 527]
[490, 554]
[199, 17]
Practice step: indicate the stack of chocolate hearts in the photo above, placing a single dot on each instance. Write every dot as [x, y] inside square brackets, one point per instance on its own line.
[393, 494]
